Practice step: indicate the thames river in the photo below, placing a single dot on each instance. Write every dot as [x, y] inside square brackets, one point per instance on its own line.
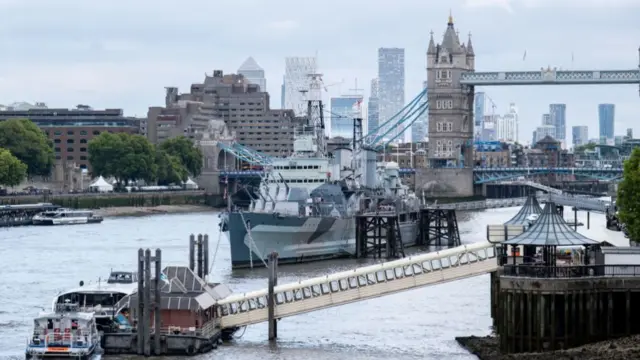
[37, 262]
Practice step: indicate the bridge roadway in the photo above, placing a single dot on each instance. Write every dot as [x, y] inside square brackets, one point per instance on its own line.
[482, 175]
[360, 284]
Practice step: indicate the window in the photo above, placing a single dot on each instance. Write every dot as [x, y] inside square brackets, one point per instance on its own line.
[83, 157]
[83, 141]
[449, 126]
[69, 149]
[57, 141]
[70, 157]
[438, 126]
[58, 132]
[449, 104]
[70, 132]
[57, 149]
[69, 141]
[83, 149]
[96, 132]
[83, 132]
[443, 74]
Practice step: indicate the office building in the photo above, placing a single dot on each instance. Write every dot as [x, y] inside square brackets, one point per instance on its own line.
[546, 120]
[231, 98]
[419, 129]
[297, 81]
[490, 128]
[630, 133]
[343, 110]
[70, 130]
[558, 115]
[390, 86]
[507, 125]
[253, 73]
[282, 92]
[478, 115]
[580, 135]
[372, 107]
[542, 132]
[606, 117]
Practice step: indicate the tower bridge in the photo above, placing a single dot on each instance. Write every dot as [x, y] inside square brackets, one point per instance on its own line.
[451, 81]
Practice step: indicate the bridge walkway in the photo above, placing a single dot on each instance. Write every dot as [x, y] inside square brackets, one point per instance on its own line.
[360, 284]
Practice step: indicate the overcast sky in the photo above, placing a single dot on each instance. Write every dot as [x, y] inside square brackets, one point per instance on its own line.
[123, 53]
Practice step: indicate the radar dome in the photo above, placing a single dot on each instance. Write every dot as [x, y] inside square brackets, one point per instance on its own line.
[392, 165]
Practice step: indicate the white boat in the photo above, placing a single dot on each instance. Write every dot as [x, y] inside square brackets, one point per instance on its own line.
[100, 297]
[66, 332]
[66, 217]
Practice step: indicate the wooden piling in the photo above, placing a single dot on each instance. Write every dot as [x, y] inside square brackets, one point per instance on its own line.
[157, 311]
[140, 311]
[588, 219]
[199, 260]
[192, 256]
[271, 299]
[575, 218]
[205, 250]
[146, 318]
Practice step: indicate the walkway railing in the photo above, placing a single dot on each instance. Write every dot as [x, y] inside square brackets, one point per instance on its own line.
[480, 204]
[538, 271]
[359, 284]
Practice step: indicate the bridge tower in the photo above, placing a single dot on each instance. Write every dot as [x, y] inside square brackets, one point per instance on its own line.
[450, 117]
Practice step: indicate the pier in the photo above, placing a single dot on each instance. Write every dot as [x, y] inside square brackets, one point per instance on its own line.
[378, 235]
[21, 215]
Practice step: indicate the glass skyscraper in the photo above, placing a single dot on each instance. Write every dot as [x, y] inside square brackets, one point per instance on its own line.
[372, 108]
[343, 110]
[558, 114]
[390, 86]
[606, 115]
[478, 116]
[580, 135]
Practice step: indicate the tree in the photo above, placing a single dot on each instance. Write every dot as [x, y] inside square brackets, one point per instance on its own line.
[189, 155]
[629, 195]
[170, 169]
[123, 156]
[29, 144]
[12, 170]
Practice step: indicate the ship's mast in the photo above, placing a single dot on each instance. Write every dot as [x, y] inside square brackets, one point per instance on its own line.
[315, 112]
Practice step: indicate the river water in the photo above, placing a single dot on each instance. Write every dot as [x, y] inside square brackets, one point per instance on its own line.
[37, 262]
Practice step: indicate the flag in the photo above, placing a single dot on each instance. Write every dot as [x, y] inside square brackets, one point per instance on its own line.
[356, 105]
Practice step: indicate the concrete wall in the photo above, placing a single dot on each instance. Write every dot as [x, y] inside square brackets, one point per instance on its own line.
[444, 182]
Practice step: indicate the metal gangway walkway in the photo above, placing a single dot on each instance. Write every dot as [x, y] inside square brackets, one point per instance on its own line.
[533, 184]
[480, 204]
[360, 284]
[581, 202]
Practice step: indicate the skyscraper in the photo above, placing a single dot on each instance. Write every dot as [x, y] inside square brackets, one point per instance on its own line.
[478, 115]
[372, 107]
[282, 92]
[558, 114]
[420, 126]
[343, 110]
[253, 73]
[297, 80]
[606, 115]
[546, 120]
[507, 125]
[390, 86]
[580, 135]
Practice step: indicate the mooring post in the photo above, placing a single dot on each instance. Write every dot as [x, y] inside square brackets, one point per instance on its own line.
[140, 312]
[575, 218]
[192, 256]
[199, 256]
[205, 250]
[271, 300]
[147, 302]
[157, 311]
[588, 220]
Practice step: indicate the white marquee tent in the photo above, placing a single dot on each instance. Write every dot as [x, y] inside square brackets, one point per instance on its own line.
[101, 185]
[190, 184]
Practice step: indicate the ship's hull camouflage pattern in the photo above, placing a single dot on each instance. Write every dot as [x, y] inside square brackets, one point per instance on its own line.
[295, 239]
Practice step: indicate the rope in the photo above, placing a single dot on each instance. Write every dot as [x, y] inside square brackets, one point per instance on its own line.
[244, 328]
[215, 253]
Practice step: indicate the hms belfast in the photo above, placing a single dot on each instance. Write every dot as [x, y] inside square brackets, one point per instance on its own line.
[306, 203]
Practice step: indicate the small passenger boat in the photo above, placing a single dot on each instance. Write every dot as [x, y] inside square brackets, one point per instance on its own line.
[66, 217]
[65, 333]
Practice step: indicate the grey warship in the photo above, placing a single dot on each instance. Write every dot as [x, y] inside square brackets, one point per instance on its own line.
[306, 204]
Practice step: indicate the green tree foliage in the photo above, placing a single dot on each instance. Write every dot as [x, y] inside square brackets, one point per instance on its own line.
[12, 170]
[170, 169]
[189, 155]
[585, 147]
[29, 144]
[123, 156]
[629, 195]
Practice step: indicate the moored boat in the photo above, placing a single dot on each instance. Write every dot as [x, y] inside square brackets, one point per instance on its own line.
[66, 217]
[66, 332]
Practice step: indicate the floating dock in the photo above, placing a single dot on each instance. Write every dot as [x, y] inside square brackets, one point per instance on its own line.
[21, 215]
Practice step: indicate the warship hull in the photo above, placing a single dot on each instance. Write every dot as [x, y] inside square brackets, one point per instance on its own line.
[296, 239]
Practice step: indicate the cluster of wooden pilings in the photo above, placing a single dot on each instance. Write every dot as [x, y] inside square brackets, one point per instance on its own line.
[199, 255]
[535, 315]
[146, 304]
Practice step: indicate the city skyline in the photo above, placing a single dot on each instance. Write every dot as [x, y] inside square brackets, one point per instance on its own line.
[91, 60]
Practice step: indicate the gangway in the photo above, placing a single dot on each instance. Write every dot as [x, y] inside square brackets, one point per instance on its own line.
[581, 203]
[359, 284]
[480, 204]
[533, 184]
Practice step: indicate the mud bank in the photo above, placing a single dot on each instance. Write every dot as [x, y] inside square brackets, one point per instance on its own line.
[151, 210]
[487, 348]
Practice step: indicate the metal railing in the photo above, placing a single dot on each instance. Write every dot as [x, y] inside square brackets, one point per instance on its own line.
[538, 271]
[207, 330]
